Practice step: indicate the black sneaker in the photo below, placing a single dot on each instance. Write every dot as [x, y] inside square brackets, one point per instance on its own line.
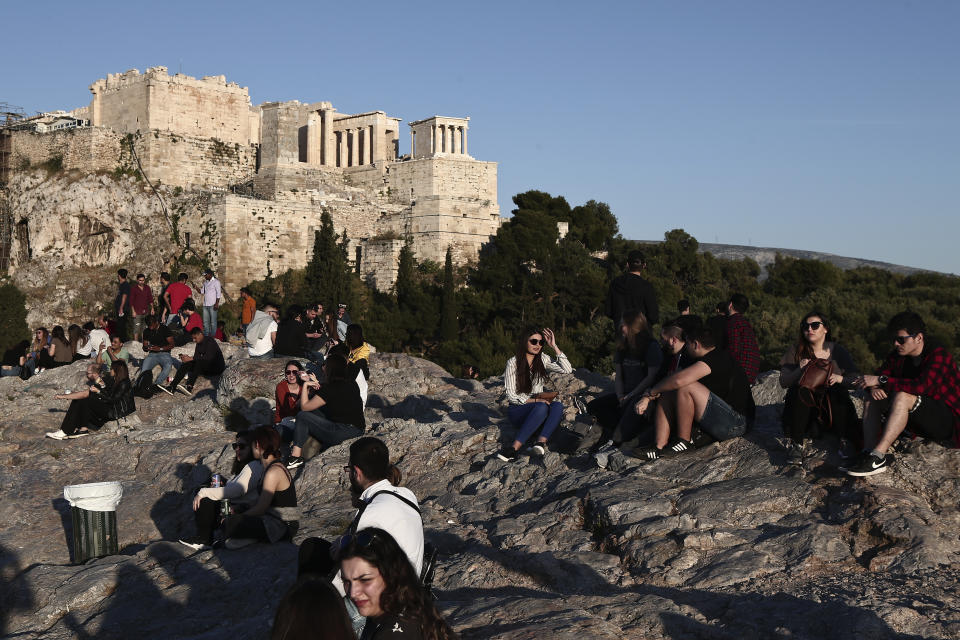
[677, 446]
[508, 454]
[539, 449]
[647, 453]
[701, 438]
[870, 465]
[294, 462]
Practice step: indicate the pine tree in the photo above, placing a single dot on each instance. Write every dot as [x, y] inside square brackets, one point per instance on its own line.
[448, 308]
[13, 320]
[327, 277]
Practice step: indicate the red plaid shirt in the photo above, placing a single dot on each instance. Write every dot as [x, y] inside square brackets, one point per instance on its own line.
[938, 379]
[742, 345]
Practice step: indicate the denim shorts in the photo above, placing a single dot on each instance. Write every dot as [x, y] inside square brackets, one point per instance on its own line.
[720, 420]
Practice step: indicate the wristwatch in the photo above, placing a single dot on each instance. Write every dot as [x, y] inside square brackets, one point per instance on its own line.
[882, 380]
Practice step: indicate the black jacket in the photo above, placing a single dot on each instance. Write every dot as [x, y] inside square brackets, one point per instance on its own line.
[630, 292]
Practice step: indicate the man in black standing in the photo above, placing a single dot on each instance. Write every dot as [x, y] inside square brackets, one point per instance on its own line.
[631, 292]
[121, 304]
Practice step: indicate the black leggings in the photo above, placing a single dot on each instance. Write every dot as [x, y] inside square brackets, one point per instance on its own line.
[85, 412]
[607, 410]
[207, 517]
[803, 421]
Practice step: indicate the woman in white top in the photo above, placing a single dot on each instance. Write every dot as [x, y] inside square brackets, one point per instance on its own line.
[530, 406]
[241, 491]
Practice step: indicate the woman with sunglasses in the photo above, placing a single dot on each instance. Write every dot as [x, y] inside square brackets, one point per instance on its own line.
[530, 406]
[802, 419]
[382, 584]
[287, 396]
[275, 516]
[241, 491]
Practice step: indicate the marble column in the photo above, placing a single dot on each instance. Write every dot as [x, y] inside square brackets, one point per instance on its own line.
[465, 141]
[354, 146]
[456, 139]
[342, 149]
[413, 144]
[329, 140]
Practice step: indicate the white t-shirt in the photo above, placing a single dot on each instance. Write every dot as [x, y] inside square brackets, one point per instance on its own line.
[95, 339]
[264, 344]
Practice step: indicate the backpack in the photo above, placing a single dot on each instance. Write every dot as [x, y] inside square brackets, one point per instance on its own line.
[813, 389]
[144, 387]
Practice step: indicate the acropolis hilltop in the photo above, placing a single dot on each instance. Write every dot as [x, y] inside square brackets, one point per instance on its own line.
[244, 186]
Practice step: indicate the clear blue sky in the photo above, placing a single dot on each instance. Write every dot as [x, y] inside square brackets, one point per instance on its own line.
[830, 126]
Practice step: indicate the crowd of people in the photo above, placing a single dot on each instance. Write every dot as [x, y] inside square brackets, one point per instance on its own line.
[670, 396]
[693, 386]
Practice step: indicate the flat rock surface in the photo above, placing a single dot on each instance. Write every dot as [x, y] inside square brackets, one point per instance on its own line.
[724, 542]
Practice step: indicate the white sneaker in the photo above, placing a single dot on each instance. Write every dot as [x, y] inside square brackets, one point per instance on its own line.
[57, 435]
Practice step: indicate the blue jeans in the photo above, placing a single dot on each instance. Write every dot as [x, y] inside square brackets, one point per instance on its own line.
[326, 431]
[720, 420]
[529, 416]
[12, 371]
[263, 356]
[162, 358]
[209, 320]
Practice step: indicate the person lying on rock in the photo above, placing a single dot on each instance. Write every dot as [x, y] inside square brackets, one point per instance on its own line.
[240, 490]
[916, 390]
[530, 406]
[330, 413]
[207, 360]
[827, 408]
[275, 516]
[105, 398]
[712, 392]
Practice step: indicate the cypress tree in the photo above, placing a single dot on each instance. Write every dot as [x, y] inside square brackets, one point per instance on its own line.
[448, 306]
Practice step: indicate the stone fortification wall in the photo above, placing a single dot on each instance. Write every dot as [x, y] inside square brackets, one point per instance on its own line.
[208, 107]
[453, 177]
[264, 237]
[87, 149]
[187, 161]
[379, 261]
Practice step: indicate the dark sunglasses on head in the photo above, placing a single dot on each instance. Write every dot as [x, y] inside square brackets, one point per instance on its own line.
[534, 341]
[361, 538]
[239, 445]
[811, 325]
[903, 339]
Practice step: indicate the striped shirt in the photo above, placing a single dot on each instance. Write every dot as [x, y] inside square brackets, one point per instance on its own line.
[560, 365]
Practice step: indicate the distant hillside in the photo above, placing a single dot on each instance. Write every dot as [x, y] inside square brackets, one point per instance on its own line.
[766, 255]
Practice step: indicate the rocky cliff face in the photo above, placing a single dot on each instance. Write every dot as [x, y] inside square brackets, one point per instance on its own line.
[724, 542]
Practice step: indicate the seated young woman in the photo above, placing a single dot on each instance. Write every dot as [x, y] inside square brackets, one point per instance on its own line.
[636, 362]
[240, 490]
[105, 398]
[382, 584]
[310, 605]
[80, 344]
[287, 396]
[58, 353]
[275, 515]
[331, 412]
[531, 408]
[807, 418]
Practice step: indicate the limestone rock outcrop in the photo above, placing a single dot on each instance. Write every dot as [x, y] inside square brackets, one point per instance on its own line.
[724, 542]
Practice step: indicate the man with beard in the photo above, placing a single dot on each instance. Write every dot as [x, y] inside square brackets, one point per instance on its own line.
[380, 504]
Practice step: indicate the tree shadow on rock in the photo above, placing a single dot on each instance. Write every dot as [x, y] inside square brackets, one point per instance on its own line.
[174, 509]
[15, 592]
[62, 506]
[416, 407]
[476, 414]
[243, 414]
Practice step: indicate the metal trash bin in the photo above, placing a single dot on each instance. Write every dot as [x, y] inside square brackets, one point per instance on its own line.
[93, 510]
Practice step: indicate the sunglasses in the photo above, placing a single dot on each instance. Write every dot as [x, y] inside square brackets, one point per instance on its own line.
[292, 371]
[361, 539]
[811, 325]
[534, 341]
[903, 339]
[239, 445]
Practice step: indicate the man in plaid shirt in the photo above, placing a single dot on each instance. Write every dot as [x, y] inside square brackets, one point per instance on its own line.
[917, 388]
[741, 341]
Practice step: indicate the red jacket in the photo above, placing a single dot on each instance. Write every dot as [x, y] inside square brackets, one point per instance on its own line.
[287, 402]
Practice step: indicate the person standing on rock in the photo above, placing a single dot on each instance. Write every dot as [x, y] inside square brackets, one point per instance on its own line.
[248, 308]
[632, 292]
[530, 406]
[177, 293]
[741, 341]
[121, 304]
[917, 389]
[141, 305]
[712, 392]
[162, 306]
[211, 294]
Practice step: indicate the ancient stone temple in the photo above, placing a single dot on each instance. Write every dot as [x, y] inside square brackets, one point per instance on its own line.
[244, 185]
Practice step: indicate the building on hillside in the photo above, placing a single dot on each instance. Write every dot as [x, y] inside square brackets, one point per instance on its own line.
[268, 171]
